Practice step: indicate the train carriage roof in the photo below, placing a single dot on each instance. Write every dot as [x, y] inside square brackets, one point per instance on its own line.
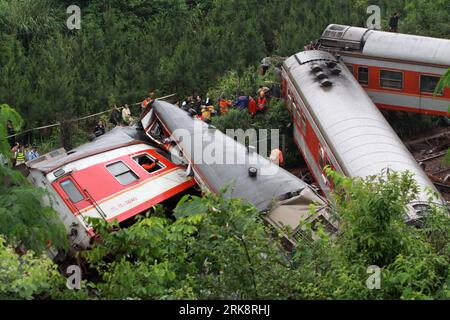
[116, 138]
[388, 45]
[357, 134]
[260, 190]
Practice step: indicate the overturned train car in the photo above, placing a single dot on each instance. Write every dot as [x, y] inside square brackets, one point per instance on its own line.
[217, 161]
[115, 177]
[336, 124]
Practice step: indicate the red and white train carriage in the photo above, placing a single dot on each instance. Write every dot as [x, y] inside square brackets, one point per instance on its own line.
[337, 124]
[398, 71]
[114, 177]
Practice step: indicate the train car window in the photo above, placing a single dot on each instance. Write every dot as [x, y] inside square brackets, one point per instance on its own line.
[122, 173]
[428, 83]
[363, 75]
[303, 123]
[149, 163]
[290, 102]
[71, 190]
[391, 79]
[322, 160]
[298, 115]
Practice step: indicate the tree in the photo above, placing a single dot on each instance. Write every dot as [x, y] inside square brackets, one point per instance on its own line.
[443, 83]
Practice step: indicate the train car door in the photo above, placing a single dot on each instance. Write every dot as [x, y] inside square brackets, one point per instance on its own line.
[324, 161]
[298, 119]
[75, 197]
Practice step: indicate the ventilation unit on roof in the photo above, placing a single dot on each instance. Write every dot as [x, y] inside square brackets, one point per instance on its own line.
[321, 75]
[336, 71]
[315, 67]
[331, 64]
[326, 83]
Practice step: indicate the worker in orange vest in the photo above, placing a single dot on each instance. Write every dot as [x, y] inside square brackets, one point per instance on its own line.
[224, 105]
[276, 156]
[261, 103]
[251, 106]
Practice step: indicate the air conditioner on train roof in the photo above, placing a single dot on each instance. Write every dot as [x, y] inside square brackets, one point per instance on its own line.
[343, 37]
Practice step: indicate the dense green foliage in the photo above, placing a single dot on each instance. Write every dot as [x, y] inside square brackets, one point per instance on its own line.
[8, 113]
[126, 48]
[23, 220]
[220, 248]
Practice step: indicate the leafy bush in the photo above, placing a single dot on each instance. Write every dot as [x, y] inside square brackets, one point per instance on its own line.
[24, 220]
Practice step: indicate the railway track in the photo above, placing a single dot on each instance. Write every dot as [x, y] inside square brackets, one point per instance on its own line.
[429, 152]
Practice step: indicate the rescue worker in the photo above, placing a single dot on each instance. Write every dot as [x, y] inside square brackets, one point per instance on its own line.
[145, 103]
[224, 105]
[276, 156]
[126, 115]
[264, 89]
[20, 156]
[252, 106]
[206, 113]
[261, 102]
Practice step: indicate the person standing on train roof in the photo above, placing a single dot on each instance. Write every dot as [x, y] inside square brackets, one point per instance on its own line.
[393, 22]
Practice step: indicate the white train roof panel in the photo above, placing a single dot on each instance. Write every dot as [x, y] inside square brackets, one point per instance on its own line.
[358, 135]
[388, 45]
[407, 47]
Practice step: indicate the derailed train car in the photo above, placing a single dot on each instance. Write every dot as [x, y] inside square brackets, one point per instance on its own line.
[336, 124]
[398, 71]
[217, 161]
[115, 177]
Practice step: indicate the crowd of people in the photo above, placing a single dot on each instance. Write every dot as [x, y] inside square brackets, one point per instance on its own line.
[204, 109]
[21, 153]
